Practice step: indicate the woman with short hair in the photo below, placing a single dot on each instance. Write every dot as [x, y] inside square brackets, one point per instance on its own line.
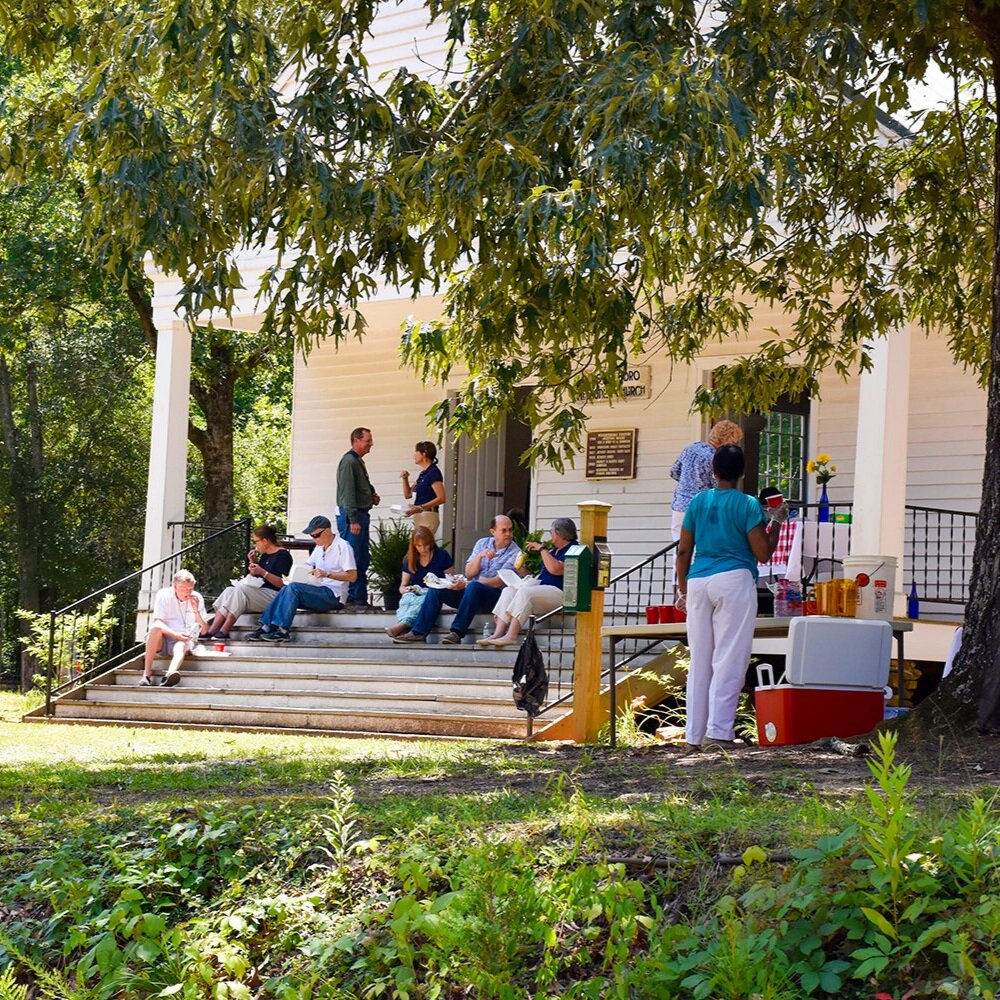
[427, 493]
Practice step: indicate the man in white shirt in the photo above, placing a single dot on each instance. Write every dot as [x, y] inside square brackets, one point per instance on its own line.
[333, 568]
[178, 618]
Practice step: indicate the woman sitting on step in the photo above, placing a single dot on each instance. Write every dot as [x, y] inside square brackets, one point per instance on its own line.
[269, 565]
[536, 595]
[423, 557]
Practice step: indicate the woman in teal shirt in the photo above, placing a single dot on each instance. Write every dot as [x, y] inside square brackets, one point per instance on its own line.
[724, 529]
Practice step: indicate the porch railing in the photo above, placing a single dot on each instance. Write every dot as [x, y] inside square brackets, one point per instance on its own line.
[937, 553]
[99, 632]
[648, 582]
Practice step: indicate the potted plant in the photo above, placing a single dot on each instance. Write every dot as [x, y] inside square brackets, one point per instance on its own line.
[387, 552]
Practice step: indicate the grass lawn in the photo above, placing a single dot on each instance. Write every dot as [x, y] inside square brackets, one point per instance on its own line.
[138, 861]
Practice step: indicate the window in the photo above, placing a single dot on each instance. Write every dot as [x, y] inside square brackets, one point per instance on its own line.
[775, 445]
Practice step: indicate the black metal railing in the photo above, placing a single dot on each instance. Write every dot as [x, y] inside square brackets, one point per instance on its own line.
[98, 632]
[212, 556]
[937, 553]
[649, 582]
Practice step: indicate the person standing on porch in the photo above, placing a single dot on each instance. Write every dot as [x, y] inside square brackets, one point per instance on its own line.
[724, 529]
[355, 498]
[427, 493]
[693, 469]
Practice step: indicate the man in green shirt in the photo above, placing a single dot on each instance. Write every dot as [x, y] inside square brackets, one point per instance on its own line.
[355, 498]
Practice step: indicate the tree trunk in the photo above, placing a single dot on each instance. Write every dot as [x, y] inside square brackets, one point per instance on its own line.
[975, 682]
[25, 476]
[215, 443]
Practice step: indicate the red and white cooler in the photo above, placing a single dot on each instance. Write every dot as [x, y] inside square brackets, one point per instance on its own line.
[836, 670]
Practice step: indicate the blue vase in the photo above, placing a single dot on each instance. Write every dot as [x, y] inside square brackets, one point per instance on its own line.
[824, 505]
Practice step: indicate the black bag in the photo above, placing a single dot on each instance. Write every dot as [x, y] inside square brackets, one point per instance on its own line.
[531, 682]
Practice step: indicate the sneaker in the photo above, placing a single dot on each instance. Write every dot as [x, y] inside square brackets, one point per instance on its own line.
[409, 637]
[149, 682]
[221, 637]
[451, 639]
[171, 679]
[258, 635]
[278, 635]
[359, 605]
[205, 636]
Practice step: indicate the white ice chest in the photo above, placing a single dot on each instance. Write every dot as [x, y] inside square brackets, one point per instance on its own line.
[838, 652]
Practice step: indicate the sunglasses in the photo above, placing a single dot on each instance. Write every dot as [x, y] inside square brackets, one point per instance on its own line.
[316, 534]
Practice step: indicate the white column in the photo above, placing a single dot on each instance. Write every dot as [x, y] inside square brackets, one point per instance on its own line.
[880, 460]
[167, 482]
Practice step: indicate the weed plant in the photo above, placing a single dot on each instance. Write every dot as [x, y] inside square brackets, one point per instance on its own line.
[353, 894]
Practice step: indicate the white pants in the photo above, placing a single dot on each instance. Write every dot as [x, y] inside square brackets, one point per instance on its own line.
[676, 523]
[720, 614]
[523, 602]
[242, 599]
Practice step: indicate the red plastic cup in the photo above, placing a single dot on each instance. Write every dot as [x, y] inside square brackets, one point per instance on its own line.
[652, 614]
[776, 501]
[666, 614]
[680, 616]
[220, 647]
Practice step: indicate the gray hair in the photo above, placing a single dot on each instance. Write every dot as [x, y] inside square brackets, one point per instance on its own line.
[184, 576]
[565, 527]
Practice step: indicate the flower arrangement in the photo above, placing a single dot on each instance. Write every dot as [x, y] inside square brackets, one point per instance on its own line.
[821, 466]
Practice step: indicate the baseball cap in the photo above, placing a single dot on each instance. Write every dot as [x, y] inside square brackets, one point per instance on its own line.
[319, 521]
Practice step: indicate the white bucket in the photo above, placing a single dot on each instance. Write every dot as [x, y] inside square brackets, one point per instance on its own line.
[876, 577]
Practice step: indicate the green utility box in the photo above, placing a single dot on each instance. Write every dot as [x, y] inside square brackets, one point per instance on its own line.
[577, 579]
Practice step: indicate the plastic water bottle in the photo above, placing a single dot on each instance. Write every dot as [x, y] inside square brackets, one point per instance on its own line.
[487, 629]
[781, 600]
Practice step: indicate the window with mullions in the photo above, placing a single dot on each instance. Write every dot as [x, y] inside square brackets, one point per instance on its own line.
[775, 446]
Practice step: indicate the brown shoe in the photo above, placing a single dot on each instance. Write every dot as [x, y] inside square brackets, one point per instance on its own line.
[409, 637]
[399, 629]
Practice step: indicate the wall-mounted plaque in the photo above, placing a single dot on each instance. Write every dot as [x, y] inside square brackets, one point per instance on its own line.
[611, 454]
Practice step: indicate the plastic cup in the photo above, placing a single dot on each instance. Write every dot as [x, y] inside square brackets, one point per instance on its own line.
[220, 647]
[652, 614]
[680, 616]
[666, 614]
[776, 501]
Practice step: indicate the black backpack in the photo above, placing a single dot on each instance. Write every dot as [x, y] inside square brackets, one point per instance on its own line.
[531, 682]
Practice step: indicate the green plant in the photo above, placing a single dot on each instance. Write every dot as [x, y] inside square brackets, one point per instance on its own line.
[77, 643]
[532, 560]
[388, 550]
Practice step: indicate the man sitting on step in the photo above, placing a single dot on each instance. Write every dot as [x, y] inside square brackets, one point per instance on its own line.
[332, 567]
[178, 618]
[478, 593]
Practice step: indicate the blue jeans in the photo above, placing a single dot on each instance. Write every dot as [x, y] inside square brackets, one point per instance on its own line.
[358, 591]
[281, 611]
[477, 598]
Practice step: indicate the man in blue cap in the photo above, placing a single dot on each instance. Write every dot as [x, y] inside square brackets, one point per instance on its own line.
[332, 567]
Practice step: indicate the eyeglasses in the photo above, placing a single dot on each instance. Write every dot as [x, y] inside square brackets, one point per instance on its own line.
[316, 534]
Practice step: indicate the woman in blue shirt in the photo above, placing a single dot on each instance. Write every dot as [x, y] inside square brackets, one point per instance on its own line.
[535, 595]
[724, 529]
[423, 558]
[427, 493]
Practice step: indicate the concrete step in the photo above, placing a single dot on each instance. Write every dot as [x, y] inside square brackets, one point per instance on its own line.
[427, 700]
[307, 718]
[328, 666]
[372, 684]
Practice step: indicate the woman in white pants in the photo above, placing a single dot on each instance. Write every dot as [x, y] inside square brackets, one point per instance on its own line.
[535, 595]
[724, 529]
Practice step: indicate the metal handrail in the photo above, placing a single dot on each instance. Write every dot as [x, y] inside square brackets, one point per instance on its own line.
[118, 585]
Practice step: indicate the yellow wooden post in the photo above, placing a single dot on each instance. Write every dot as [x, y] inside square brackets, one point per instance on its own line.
[587, 716]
